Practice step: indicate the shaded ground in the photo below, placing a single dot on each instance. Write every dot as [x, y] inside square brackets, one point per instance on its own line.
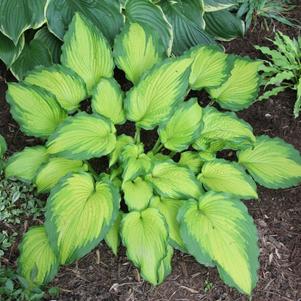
[101, 276]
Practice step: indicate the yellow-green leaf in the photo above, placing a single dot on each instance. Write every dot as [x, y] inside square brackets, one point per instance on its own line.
[191, 160]
[122, 141]
[3, 146]
[272, 162]
[113, 238]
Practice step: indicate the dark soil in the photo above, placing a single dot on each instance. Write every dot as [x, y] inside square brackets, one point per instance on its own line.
[101, 276]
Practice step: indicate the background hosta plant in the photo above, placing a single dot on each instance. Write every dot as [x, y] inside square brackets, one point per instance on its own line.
[282, 70]
[177, 193]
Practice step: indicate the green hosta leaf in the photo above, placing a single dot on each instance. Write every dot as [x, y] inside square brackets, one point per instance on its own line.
[222, 131]
[87, 52]
[121, 142]
[68, 88]
[113, 238]
[186, 18]
[37, 263]
[223, 176]
[36, 110]
[169, 209]
[146, 13]
[9, 52]
[173, 181]
[79, 214]
[135, 61]
[297, 106]
[34, 54]
[191, 160]
[107, 100]
[3, 146]
[82, 137]
[216, 5]
[52, 43]
[55, 169]
[217, 230]
[145, 236]
[183, 127]
[25, 164]
[131, 151]
[137, 194]
[152, 101]
[241, 89]
[16, 16]
[272, 162]
[165, 266]
[105, 15]
[224, 25]
[210, 68]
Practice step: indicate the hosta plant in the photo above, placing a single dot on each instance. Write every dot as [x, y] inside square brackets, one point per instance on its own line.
[152, 199]
[3, 148]
[282, 69]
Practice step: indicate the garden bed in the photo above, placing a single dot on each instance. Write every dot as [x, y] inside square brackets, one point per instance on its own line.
[277, 214]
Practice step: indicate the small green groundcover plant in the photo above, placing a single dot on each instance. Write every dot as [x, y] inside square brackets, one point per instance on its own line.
[177, 194]
[282, 70]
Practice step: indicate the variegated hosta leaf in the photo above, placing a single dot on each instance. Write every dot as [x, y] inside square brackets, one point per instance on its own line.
[210, 67]
[217, 230]
[146, 13]
[107, 100]
[137, 194]
[36, 110]
[222, 131]
[79, 214]
[135, 61]
[192, 161]
[122, 141]
[173, 181]
[25, 164]
[222, 176]
[216, 5]
[3, 146]
[165, 266]
[113, 237]
[131, 151]
[272, 162]
[16, 16]
[87, 52]
[169, 209]
[105, 15]
[82, 137]
[55, 169]
[183, 127]
[68, 88]
[241, 88]
[145, 237]
[152, 101]
[37, 263]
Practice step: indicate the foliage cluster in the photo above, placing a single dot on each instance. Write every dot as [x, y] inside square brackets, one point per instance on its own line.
[179, 194]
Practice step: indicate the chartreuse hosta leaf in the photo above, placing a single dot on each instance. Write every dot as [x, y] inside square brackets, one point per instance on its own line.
[121, 142]
[165, 266]
[68, 88]
[55, 169]
[79, 214]
[25, 164]
[222, 131]
[3, 146]
[174, 181]
[224, 176]
[210, 67]
[217, 230]
[107, 100]
[36, 110]
[145, 236]
[146, 13]
[183, 127]
[37, 263]
[169, 209]
[191, 160]
[82, 137]
[87, 52]
[152, 101]
[16, 16]
[272, 162]
[113, 237]
[241, 88]
[135, 61]
[137, 193]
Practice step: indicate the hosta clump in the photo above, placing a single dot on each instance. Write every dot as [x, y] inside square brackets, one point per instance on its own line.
[190, 202]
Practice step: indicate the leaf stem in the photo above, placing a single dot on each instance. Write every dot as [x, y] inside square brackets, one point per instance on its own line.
[157, 147]
[137, 134]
